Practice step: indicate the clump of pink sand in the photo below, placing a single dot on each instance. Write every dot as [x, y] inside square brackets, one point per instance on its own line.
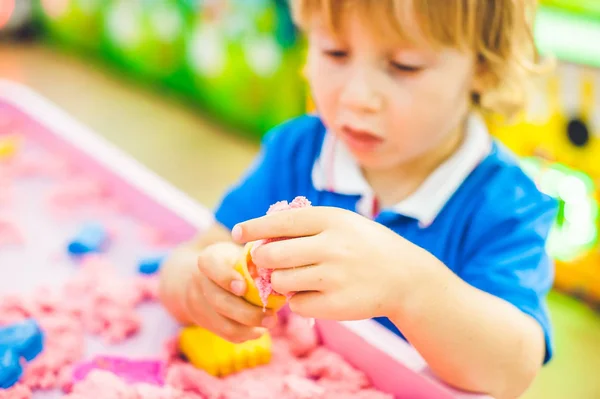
[18, 391]
[263, 280]
[10, 233]
[299, 369]
[104, 384]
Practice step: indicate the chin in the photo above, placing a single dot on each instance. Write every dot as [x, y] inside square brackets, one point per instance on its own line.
[381, 158]
[376, 161]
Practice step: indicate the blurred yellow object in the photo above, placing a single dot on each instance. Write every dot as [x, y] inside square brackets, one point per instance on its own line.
[561, 122]
[580, 277]
[219, 357]
[246, 268]
[562, 126]
[8, 146]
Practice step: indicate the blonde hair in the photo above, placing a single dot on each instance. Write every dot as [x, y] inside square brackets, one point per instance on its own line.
[498, 32]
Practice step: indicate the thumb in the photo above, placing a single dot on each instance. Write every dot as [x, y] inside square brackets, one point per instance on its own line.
[217, 263]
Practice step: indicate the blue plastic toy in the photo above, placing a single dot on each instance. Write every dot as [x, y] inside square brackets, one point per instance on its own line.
[92, 237]
[17, 341]
[151, 264]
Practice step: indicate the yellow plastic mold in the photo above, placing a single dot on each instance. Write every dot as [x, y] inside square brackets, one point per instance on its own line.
[245, 267]
[219, 357]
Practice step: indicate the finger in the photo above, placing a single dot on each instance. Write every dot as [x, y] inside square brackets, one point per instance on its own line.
[309, 304]
[206, 317]
[307, 278]
[290, 253]
[236, 308]
[217, 261]
[301, 222]
[329, 306]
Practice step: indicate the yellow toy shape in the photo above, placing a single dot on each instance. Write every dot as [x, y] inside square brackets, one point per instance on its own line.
[572, 92]
[536, 130]
[585, 158]
[246, 268]
[8, 146]
[219, 357]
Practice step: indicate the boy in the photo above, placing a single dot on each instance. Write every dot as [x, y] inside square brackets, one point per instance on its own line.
[420, 220]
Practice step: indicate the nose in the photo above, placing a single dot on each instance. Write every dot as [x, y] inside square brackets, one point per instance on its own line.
[360, 93]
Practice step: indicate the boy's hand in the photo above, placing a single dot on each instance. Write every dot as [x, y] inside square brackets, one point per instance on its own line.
[213, 297]
[340, 265]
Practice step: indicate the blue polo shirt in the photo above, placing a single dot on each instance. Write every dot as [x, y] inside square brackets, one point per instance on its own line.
[489, 226]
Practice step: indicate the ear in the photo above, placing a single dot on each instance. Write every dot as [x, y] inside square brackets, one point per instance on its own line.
[483, 79]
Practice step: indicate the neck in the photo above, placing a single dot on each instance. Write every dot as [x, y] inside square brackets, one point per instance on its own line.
[395, 184]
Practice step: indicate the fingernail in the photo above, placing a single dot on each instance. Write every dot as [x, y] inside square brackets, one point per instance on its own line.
[269, 321]
[237, 286]
[236, 232]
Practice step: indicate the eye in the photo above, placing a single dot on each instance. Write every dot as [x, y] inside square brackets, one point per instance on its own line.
[337, 54]
[405, 68]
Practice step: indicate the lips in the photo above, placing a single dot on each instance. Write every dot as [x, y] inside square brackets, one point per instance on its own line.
[361, 140]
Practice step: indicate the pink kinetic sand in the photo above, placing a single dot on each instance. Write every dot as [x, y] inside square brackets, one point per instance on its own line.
[155, 237]
[73, 192]
[10, 234]
[95, 301]
[187, 378]
[18, 391]
[263, 280]
[104, 384]
[302, 335]
[99, 302]
[6, 190]
[131, 371]
[38, 163]
[322, 374]
[79, 194]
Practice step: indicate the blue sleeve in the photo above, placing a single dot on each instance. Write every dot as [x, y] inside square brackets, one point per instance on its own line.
[252, 195]
[510, 259]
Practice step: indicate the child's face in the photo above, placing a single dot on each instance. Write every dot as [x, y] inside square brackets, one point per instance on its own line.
[390, 103]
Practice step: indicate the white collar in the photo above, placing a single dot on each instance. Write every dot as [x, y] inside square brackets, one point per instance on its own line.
[336, 170]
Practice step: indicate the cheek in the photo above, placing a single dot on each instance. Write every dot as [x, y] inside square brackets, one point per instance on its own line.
[452, 105]
[408, 106]
[324, 89]
[424, 110]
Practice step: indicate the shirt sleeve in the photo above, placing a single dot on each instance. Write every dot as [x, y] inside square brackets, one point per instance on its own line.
[510, 260]
[257, 189]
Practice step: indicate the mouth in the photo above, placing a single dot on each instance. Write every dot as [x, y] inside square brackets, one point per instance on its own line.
[361, 140]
